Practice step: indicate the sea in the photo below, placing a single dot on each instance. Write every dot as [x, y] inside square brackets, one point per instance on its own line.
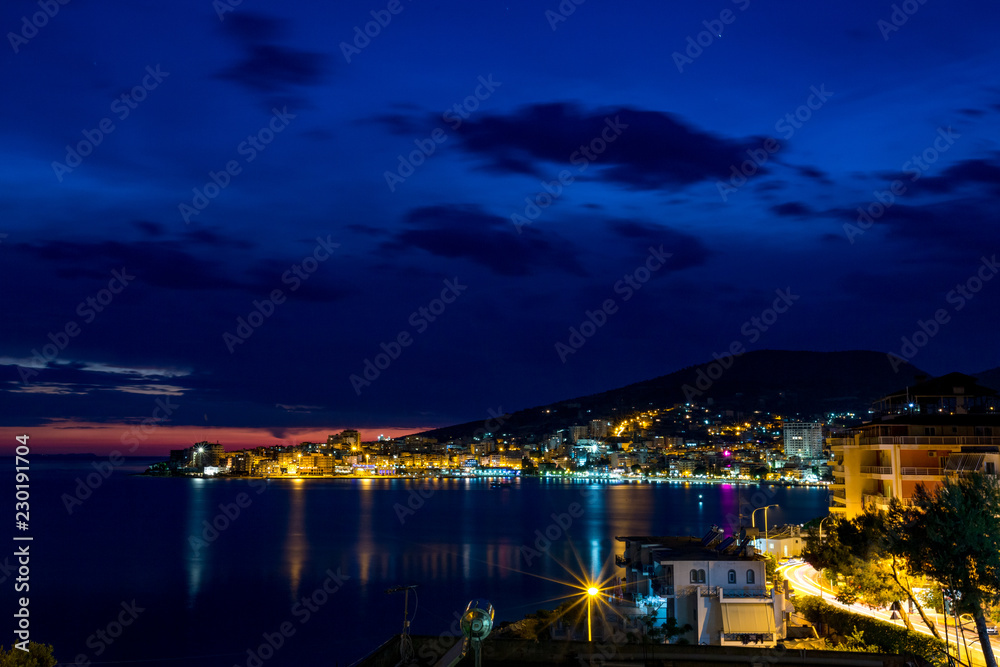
[131, 569]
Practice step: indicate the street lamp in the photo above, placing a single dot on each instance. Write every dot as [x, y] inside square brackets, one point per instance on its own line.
[591, 593]
[754, 525]
[821, 542]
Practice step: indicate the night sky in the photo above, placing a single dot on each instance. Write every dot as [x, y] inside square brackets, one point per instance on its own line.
[458, 191]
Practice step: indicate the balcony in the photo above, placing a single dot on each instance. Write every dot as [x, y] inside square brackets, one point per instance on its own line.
[876, 470]
[882, 501]
[745, 593]
[743, 638]
[874, 442]
[921, 472]
[662, 590]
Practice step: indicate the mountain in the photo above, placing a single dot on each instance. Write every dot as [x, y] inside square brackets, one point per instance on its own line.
[781, 381]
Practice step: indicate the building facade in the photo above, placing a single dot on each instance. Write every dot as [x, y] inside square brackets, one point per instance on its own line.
[716, 585]
[803, 439]
[919, 435]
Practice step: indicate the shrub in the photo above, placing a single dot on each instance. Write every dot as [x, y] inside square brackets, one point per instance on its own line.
[887, 637]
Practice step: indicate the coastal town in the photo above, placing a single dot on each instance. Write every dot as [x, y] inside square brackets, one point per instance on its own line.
[685, 441]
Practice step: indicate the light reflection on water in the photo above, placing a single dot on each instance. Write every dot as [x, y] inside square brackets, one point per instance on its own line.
[465, 540]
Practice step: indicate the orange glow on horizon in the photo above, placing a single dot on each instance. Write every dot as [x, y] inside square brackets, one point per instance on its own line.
[102, 439]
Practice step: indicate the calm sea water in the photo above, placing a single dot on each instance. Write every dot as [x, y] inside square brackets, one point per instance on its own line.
[208, 603]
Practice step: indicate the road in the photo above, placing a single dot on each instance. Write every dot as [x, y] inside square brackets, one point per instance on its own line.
[804, 579]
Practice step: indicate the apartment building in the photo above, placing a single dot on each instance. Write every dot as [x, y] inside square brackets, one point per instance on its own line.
[919, 435]
[715, 584]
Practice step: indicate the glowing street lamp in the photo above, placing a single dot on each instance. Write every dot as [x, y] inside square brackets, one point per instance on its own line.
[754, 525]
[591, 593]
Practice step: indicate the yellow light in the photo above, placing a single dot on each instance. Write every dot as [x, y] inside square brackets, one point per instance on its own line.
[592, 591]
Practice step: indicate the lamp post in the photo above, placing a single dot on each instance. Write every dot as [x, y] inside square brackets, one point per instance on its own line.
[591, 592]
[821, 542]
[753, 524]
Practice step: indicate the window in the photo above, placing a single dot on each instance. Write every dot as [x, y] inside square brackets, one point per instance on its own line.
[694, 576]
[750, 578]
[701, 576]
[732, 576]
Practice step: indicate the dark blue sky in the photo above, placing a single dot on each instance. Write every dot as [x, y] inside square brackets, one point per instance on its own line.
[636, 117]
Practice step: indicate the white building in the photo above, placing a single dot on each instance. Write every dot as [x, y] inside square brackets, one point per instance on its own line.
[782, 541]
[716, 585]
[804, 439]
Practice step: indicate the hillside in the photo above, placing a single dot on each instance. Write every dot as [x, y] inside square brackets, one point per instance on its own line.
[787, 382]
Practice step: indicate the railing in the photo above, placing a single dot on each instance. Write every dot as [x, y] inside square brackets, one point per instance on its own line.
[745, 593]
[922, 472]
[876, 470]
[930, 440]
[748, 637]
[662, 589]
[870, 499]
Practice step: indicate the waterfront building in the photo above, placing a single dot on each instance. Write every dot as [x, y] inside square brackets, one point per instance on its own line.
[803, 439]
[715, 584]
[918, 435]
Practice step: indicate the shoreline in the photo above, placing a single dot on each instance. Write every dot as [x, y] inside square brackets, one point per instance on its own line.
[564, 478]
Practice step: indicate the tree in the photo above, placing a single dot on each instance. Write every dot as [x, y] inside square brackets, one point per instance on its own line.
[663, 633]
[953, 536]
[38, 655]
[772, 573]
[861, 551]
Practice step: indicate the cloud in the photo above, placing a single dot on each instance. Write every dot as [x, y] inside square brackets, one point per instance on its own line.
[976, 172]
[160, 264]
[153, 229]
[794, 209]
[687, 251]
[267, 67]
[643, 150]
[468, 232]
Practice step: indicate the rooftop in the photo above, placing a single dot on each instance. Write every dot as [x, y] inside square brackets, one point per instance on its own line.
[669, 547]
